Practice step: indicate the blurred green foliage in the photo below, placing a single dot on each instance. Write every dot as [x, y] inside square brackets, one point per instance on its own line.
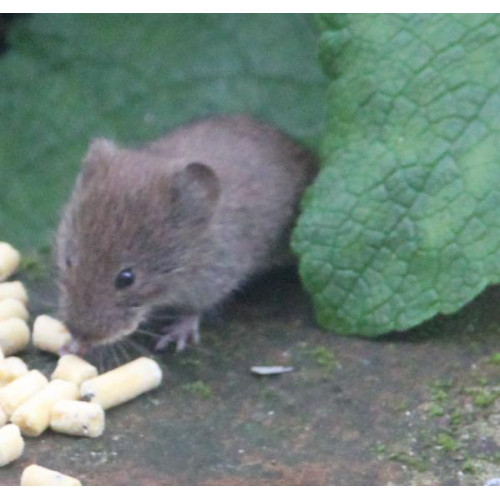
[68, 78]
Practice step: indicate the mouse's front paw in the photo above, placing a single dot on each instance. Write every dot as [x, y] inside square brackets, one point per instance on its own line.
[184, 331]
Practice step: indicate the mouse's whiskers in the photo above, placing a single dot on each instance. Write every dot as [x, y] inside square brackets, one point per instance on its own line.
[122, 347]
[137, 348]
[111, 357]
[147, 333]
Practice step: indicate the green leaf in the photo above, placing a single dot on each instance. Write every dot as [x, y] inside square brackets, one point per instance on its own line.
[68, 78]
[403, 221]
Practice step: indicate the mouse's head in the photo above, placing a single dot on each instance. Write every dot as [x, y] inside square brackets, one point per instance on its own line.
[131, 230]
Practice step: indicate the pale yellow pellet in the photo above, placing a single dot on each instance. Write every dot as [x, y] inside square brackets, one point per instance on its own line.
[9, 260]
[20, 390]
[3, 418]
[36, 475]
[11, 444]
[74, 369]
[123, 383]
[78, 418]
[10, 369]
[13, 308]
[14, 335]
[13, 290]
[33, 416]
[50, 334]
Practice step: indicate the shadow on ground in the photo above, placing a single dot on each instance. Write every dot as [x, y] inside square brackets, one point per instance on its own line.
[419, 407]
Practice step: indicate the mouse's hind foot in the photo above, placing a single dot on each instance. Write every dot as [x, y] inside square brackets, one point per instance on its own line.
[186, 330]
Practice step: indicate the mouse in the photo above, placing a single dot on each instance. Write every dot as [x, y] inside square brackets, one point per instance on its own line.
[181, 222]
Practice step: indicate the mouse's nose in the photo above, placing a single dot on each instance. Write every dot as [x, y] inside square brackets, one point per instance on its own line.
[73, 347]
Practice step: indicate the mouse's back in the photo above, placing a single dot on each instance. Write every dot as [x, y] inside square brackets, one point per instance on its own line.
[262, 174]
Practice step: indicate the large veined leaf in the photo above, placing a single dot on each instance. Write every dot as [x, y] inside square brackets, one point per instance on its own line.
[403, 221]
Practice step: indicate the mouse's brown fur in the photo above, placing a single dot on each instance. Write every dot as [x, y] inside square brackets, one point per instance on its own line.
[193, 215]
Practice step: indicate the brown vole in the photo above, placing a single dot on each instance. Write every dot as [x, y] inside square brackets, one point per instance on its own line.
[181, 222]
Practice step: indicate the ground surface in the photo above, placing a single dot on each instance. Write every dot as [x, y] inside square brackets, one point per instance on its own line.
[415, 408]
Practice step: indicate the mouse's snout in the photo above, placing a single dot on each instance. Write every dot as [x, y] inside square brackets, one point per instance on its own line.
[83, 339]
[86, 336]
[74, 347]
[90, 309]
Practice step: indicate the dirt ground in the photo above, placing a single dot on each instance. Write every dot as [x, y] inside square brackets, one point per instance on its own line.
[417, 408]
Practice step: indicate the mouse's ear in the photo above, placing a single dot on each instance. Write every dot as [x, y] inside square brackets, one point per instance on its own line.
[98, 159]
[195, 192]
[100, 151]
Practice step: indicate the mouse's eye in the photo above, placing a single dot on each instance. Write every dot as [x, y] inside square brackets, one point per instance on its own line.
[124, 279]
